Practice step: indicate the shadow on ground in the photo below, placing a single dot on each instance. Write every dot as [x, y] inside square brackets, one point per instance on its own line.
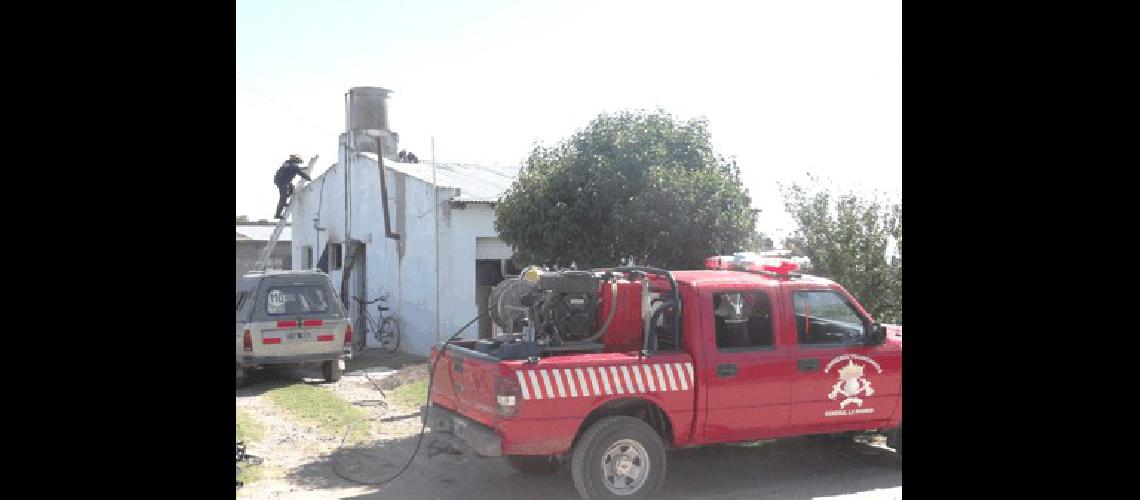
[273, 376]
[790, 468]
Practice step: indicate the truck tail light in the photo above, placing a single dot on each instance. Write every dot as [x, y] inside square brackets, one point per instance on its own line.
[348, 335]
[246, 341]
[507, 395]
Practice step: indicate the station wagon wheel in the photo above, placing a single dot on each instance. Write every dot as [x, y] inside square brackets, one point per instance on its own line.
[242, 376]
[331, 371]
[619, 457]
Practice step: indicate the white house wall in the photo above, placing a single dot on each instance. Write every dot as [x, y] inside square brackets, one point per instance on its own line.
[404, 268]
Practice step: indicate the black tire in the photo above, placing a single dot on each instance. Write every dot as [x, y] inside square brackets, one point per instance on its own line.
[390, 325]
[331, 371]
[242, 377]
[588, 462]
[894, 439]
[533, 465]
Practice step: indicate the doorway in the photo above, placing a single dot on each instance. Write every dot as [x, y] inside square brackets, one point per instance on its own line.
[488, 273]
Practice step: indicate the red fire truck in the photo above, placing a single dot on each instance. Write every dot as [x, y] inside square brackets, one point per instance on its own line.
[607, 369]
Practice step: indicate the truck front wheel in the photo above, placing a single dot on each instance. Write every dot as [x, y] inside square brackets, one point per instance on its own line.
[618, 457]
[894, 439]
[534, 465]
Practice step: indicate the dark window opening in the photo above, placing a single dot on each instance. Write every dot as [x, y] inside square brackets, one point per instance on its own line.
[663, 326]
[335, 261]
[743, 320]
[488, 273]
[307, 257]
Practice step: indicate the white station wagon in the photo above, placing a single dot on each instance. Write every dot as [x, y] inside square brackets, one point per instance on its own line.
[290, 317]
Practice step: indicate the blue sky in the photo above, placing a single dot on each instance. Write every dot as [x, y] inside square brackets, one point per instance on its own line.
[787, 87]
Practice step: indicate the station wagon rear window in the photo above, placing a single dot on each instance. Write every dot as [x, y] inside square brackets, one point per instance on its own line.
[297, 299]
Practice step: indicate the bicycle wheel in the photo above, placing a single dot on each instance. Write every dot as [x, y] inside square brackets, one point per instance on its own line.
[389, 334]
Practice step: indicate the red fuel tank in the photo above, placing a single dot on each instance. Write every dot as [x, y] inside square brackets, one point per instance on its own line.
[624, 332]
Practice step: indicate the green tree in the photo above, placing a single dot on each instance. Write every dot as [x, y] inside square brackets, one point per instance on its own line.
[242, 219]
[851, 239]
[760, 242]
[635, 185]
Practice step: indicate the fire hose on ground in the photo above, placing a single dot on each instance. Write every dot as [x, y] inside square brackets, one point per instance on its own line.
[423, 427]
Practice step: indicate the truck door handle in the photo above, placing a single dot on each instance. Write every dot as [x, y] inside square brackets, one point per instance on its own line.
[726, 370]
[807, 365]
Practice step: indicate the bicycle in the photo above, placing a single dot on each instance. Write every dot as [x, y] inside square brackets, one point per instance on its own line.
[386, 331]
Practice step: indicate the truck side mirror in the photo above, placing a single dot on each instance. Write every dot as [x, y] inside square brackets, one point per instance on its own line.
[877, 335]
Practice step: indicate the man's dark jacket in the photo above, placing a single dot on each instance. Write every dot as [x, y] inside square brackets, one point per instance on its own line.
[287, 172]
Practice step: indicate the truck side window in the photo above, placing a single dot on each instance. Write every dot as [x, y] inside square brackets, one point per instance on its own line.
[825, 317]
[743, 320]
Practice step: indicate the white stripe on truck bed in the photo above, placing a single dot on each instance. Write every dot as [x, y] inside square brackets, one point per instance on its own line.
[655, 375]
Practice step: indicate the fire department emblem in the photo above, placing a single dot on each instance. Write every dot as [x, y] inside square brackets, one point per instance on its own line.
[852, 381]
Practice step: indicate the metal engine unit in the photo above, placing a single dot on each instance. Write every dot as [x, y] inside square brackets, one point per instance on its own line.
[561, 306]
[567, 305]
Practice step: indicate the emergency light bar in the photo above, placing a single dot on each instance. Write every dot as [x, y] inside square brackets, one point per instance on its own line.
[747, 261]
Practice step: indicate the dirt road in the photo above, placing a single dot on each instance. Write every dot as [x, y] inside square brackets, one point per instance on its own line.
[298, 462]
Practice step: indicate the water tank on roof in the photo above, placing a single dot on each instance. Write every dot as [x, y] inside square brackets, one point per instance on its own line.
[368, 108]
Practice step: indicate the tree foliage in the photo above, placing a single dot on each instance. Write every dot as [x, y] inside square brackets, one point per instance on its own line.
[242, 219]
[851, 239]
[630, 185]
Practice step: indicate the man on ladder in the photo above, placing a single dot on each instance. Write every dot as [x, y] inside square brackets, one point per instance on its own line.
[284, 181]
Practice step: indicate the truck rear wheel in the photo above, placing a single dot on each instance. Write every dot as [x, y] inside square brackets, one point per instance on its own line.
[535, 465]
[618, 457]
[331, 371]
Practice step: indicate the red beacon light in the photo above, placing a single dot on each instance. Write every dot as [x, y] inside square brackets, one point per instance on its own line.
[745, 261]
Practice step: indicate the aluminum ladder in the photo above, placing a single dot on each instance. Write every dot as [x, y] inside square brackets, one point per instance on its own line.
[263, 261]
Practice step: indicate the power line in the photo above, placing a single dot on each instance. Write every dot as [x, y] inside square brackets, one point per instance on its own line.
[278, 103]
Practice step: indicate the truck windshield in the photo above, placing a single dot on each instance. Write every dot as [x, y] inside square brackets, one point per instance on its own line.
[296, 299]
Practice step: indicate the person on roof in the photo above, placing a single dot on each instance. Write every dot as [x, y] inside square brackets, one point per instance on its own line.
[283, 179]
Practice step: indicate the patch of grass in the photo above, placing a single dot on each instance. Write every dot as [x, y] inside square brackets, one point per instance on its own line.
[249, 473]
[249, 429]
[322, 408]
[412, 394]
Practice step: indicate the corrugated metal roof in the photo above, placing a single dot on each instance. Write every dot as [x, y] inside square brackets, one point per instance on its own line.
[262, 233]
[485, 183]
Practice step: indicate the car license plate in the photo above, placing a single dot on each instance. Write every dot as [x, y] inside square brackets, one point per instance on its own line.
[299, 336]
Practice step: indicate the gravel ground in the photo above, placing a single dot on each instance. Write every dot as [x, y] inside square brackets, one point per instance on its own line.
[298, 460]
